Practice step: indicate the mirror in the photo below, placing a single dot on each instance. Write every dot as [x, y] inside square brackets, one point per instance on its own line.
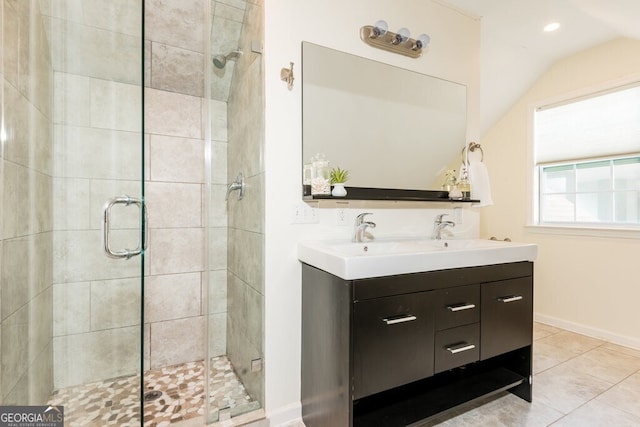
[390, 127]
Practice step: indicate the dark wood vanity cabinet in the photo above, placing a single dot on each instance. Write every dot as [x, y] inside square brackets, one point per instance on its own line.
[507, 316]
[457, 313]
[402, 351]
[393, 351]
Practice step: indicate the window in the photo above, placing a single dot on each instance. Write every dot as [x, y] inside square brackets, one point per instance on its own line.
[593, 192]
[588, 160]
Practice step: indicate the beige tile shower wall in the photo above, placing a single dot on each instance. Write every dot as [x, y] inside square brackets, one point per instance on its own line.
[226, 26]
[246, 218]
[25, 207]
[173, 298]
[175, 119]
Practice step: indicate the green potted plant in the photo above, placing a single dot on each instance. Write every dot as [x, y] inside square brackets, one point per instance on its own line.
[338, 177]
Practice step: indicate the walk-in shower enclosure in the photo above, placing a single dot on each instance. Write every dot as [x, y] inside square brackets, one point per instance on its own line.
[118, 105]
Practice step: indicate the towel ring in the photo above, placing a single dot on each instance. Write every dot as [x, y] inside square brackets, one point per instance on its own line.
[472, 147]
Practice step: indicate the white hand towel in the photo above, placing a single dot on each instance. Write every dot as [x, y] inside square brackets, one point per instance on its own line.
[480, 185]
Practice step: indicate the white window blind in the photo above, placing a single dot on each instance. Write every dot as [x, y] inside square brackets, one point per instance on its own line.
[597, 126]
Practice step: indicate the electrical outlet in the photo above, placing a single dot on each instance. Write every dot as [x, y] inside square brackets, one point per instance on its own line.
[342, 213]
[297, 214]
[312, 213]
[303, 213]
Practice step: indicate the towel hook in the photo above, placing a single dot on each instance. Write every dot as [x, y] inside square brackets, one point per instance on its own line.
[286, 75]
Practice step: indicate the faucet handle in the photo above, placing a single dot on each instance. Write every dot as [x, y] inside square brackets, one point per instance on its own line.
[360, 218]
[439, 217]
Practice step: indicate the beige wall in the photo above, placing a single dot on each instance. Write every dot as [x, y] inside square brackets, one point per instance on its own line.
[587, 283]
[26, 218]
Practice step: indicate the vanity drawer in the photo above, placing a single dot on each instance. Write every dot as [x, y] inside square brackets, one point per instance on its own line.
[507, 316]
[457, 306]
[392, 342]
[456, 347]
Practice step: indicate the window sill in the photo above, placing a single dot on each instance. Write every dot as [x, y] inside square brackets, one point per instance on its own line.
[584, 230]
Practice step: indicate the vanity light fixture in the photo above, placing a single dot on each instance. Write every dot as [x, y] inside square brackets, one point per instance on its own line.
[376, 35]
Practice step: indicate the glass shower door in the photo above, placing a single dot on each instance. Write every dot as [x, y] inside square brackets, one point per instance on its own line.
[235, 280]
[72, 186]
[98, 152]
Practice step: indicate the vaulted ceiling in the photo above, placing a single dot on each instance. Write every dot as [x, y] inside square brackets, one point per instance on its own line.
[515, 51]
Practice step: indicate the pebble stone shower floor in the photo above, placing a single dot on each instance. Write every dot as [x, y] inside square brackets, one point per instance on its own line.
[115, 402]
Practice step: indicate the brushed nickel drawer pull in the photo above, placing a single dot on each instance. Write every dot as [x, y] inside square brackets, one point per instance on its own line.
[510, 299]
[460, 307]
[461, 347]
[401, 319]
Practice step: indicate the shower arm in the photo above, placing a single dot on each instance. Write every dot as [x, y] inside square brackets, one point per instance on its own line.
[220, 60]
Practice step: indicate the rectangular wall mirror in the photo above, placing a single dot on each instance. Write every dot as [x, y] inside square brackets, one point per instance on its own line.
[392, 128]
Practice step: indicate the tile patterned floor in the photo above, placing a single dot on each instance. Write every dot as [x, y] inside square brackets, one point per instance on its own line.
[578, 381]
[115, 402]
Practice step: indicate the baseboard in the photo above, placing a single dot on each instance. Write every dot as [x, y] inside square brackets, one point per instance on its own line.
[286, 416]
[588, 331]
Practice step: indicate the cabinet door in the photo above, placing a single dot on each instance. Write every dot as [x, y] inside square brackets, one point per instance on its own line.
[507, 316]
[392, 342]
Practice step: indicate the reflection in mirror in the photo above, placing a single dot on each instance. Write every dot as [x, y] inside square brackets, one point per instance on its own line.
[390, 127]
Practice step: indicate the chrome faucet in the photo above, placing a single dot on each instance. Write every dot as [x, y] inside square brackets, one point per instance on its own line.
[439, 225]
[360, 227]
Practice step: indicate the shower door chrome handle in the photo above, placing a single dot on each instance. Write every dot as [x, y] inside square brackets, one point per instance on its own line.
[106, 218]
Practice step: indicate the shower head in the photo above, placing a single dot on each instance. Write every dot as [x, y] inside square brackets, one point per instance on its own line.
[221, 60]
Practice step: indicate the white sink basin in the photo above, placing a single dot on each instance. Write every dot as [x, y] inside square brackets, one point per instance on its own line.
[389, 257]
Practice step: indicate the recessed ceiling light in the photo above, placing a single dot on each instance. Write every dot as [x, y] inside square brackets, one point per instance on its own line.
[551, 27]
